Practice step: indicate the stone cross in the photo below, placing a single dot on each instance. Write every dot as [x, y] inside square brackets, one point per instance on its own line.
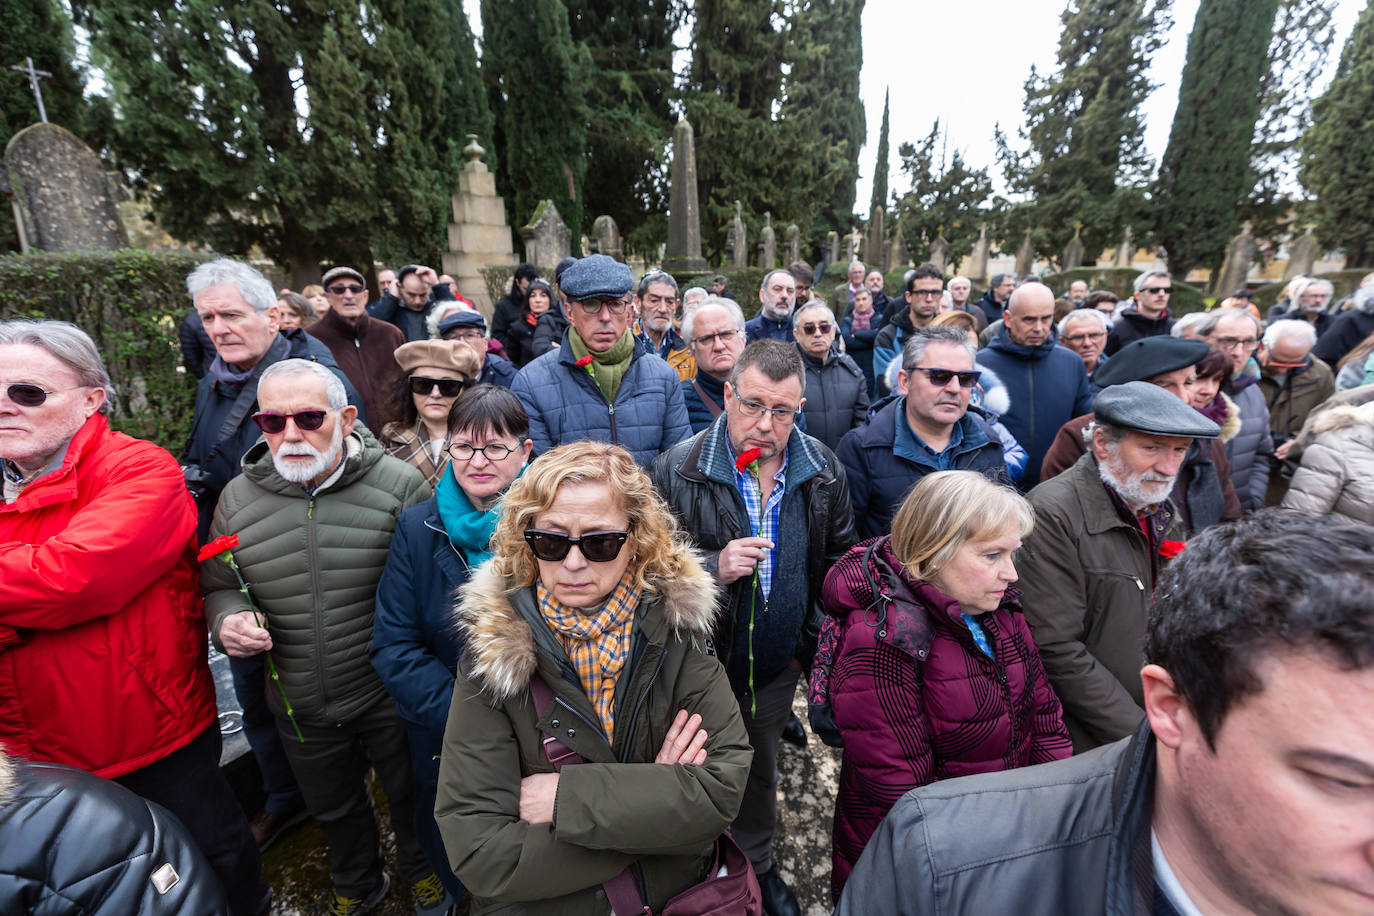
[684, 216]
[34, 76]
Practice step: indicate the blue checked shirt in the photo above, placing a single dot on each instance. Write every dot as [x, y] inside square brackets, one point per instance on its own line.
[762, 519]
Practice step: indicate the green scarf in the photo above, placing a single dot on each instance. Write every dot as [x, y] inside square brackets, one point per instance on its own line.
[468, 527]
[608, 369]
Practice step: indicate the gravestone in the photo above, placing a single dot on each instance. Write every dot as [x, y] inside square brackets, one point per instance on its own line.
[978, 259]
[61, 194]
[1237, 267]
[793, 243]
[832, 247]
[478, 237]
[1125, 252]
[939, 252]
[606, 238]
[897, 254]
[1025, 257]
[737, 240]
[1302, 255]
[684, 217]
[548, 239]
[1073, 252]
[768, 244]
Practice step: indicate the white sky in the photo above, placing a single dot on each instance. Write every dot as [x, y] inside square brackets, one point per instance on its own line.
[966, 63]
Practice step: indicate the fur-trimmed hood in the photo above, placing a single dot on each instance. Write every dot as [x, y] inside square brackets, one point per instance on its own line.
[1231, 425]
[1342, 417]
[501, 651]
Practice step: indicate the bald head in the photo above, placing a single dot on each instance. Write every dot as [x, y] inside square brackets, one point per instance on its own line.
[1029, 314]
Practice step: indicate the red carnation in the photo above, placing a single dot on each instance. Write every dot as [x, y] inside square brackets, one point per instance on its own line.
[585, 361]
[219, 545]
[749, 461]
[1170, 549]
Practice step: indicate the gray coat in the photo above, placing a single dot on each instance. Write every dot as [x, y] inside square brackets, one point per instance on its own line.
[1251, 448]
[836, 397]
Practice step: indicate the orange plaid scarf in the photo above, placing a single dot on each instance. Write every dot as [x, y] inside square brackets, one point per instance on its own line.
[597, 644]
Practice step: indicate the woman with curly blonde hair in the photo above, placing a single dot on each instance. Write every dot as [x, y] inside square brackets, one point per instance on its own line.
[587, 633]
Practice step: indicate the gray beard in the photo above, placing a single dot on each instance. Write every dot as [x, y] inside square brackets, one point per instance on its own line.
[322, 461]
[1136, 492]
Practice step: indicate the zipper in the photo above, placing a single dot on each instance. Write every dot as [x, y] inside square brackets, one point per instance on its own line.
[634, 717]
[316, 592]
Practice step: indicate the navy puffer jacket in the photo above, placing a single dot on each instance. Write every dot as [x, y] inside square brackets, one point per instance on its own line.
[565, 405]
[1250, 448]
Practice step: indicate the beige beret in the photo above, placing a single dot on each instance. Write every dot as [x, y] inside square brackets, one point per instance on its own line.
[439, 354]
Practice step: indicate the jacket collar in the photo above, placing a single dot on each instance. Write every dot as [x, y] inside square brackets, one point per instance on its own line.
[804, 460]
[1130, 865]
[1004, 344]
[502, 652]
[60, 484]
[1099, 510]
[334, 321]
[362, 451]
[565, 353]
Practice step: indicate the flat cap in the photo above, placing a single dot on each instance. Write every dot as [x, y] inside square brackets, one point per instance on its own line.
[438, 354]
[335, 273]
[595, 275]
[1150, 356]
[1150, 409]
[462, 318]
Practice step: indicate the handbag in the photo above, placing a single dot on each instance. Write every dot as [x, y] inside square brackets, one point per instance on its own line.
[730, 887]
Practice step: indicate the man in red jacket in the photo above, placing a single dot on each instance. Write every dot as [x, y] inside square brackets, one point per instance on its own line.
[103, 657]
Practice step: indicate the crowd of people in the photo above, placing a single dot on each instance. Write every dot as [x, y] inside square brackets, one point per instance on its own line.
[553, 580]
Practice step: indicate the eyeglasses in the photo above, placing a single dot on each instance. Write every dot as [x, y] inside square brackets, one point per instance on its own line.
[940, 377]
[342, 288]
[26, 395]
[305, 420]
[1155, 290]
[468, 334]
[824, 327]
[594, 306]
[1083, 338]
[448, 387]
[754, 410]
[1231, 343]
[597, 547]
[927, 293]
[709, 340]
[492, 451]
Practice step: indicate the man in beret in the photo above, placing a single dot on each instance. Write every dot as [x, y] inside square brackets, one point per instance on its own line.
[1204, 494]
[471, 328]
[362, 346]
[1102, 531]
[601, 382]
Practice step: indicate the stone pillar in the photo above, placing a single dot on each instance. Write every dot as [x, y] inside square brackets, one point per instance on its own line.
[478, 237]
[1232, 275]
[1302, 255]
[548, 240]
[1125, 252]
[606, 238]
[1073, 252]
[832, 247]
[793, 243]
[61, 194]
[1025, 257]
[939, 252]
[737, 241]
[897, 255]
[684, 216]
[978, 260]
[768, 244]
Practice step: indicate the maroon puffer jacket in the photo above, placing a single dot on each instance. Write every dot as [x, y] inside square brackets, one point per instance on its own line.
[914, 698]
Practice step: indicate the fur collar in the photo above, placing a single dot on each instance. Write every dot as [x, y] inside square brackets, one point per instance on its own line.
[1231, 425]
[501, 652]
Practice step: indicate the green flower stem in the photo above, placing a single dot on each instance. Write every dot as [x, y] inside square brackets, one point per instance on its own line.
[271, 666]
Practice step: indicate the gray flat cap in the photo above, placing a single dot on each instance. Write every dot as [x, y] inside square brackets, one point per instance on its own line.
[595, 275]
[1150, 409]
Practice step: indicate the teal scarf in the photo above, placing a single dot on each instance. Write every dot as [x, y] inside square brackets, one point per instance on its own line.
[468, 527]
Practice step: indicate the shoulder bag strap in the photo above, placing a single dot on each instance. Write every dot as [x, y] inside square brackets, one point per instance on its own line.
[707, 400]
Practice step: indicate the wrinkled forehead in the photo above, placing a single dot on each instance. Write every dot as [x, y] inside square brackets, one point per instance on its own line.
[294, 392]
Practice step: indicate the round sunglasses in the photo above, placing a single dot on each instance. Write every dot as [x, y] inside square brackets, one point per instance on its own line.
[305, 420]
[596, 547]
[448, 387]
[26, 395]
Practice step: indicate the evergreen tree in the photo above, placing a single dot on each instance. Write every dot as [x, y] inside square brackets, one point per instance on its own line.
[1337, 156]
[878, 201]
[629, 91]
[945, 197]
[1205, 175]
[310, 131]
[1084, 160]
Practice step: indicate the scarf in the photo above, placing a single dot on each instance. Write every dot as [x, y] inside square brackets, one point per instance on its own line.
[1217, 411]
[227, 374]
[597, 644]
[609, 368]
[861, 321]
[468, 527]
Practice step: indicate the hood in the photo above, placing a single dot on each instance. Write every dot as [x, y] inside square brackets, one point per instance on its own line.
[501, 651]
[1004, 344]
[991, 394]
[362, 448]
[1343, 417]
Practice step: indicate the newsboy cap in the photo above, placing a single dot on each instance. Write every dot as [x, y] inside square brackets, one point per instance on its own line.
[438, 354]
[1150, 356]
[595, 275]
[335, 273]
[462, 318]
[1150, 409]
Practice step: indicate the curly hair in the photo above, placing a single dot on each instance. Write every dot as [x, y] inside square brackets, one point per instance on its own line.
[947, 509]
[658, 547]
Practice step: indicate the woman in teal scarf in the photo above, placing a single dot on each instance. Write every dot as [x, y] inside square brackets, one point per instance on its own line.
[436, 547]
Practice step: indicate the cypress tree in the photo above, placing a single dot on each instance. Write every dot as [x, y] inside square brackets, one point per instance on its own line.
[878, 201]
[1337, 156]
[945, 196]
[1084, 160]
[528, 48]
[1205, 174]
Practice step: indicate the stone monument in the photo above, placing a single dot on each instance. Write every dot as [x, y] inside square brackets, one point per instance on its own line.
[793, 243]
[1237, 267]
[1025, 257]
[1073, 252]
[61, 194]
[684, 216]
[856, 244]
[768, 244]
[737, 240]
[939, 251]
[897, 254]
[832, 247]
[606, 238]
[478, 236]
[548, 239]
[1125, 252]
[874, 249]
[1302, 255]
[978, 259]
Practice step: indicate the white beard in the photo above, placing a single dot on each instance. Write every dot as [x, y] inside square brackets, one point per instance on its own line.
[321, 463]
[1138, 491]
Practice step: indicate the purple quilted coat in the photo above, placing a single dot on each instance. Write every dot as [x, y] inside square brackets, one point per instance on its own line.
[913, 697]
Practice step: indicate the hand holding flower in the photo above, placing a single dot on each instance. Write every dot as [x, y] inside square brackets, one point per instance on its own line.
[242, 637]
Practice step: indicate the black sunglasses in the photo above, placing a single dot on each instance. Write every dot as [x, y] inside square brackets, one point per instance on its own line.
[597, 547]
[26, 395]
[940, 377]
[824, 327]
[306, 420]
[448, 387]
[342, 288]
[1155, 290]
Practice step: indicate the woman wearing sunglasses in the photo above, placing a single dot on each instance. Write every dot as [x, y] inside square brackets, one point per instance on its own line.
[926, 668]
[434, 373]
[594, 610]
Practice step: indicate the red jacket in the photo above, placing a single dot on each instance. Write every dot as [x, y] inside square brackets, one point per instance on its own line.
[103, 649]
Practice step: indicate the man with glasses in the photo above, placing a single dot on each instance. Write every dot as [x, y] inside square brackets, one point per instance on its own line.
[777, 297]
[1084, 331]
[836, 390]
[844, 292]
[769, 530]
[1237, 333]
[715, 332]
[656, 305]
[362, 346]
[602, 382]
[1293, 383]
[314, 511]
[925, 287]
[929, 426]
[471, 328]
[1150, 315]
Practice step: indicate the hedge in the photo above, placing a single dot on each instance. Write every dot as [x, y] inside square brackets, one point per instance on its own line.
[130, 302]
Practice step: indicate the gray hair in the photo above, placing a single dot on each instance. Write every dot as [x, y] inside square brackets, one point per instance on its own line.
[1209, 324]
[1083, 313]
[655, 276]
[69, 345]
[693, 291]
[813, 307]
[255, 289]
[1191, 320]
[1291, 328]
[1110, 432]
[1363, 299]
[768, 276]
[954, 280]
[729, 306]
[854, 264]
[333, 388]
[1140, 281]
[920, 338]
